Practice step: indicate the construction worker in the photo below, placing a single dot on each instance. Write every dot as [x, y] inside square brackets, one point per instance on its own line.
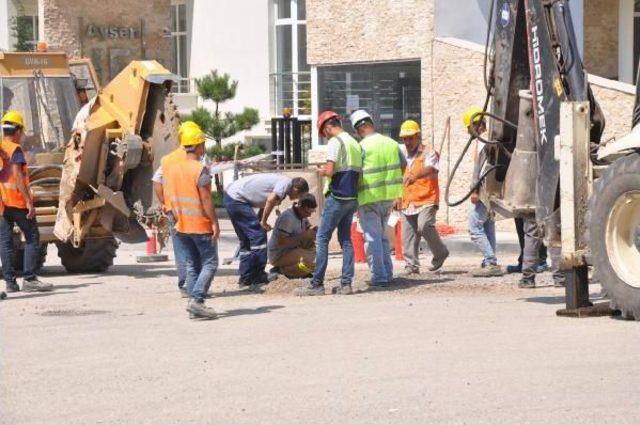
[482, 226]
[176, 156]
[292, 250]
[342, 169]
[264, 191]
[381, 186]
[420, 201]
[18, 208]
[187, 186]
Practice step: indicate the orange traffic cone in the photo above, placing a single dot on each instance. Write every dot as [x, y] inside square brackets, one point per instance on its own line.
[357, 239]
[398, 241]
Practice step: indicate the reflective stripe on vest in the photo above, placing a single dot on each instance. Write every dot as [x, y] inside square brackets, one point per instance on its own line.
[424, 191]
[11, 196]
[344, 182]
[381, 171]
[181, 183]
[175, 157]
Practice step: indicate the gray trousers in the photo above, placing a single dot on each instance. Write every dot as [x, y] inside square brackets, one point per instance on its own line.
[418, 226]
[531, 253]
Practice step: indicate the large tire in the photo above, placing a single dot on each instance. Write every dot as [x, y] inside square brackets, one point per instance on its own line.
[614, 223]
[95, 256]
[18, 258]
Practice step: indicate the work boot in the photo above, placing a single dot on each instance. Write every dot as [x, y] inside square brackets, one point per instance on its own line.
[409, 270]
[183, 291]
[377, 286]
[343, 290]
[3, 295]
[309, 291]
[437, 264]
[514, 268]
[263, 278]
[490, 270]
[527, 283]
[542, 267]
[12, 287]
[36, 285]
[198, 310]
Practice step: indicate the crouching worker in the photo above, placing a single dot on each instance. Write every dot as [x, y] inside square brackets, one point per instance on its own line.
[187, 185]
[292, 250]
[18, 208]
[257, 191]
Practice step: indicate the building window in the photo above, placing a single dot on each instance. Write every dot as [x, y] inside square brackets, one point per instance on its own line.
[179, 45]
[25, 33]
[390, 92]
[291, 76]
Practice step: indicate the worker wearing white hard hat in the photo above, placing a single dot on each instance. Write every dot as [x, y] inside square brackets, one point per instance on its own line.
[380, 189]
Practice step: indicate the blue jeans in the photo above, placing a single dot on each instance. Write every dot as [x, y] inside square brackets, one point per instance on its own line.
[180, 261]
[482, 229]
[253, 239]
[336, 214]
[200, 253]
[373, 220]
[29, 228]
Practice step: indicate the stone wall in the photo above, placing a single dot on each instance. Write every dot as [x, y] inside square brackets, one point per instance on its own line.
[354, 31]
[457, 85]
[601, 37]
[110, 33]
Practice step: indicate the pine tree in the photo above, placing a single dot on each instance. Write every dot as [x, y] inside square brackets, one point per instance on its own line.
[218, 125]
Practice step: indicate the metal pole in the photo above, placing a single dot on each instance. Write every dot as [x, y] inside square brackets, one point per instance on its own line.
[297, 141]
[577, 288]
[280, 141]
[274, 139]
[287, 140]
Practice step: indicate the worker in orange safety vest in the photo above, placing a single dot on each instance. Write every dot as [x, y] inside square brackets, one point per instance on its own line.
[18, 209]
[187, 192]
[420, 200]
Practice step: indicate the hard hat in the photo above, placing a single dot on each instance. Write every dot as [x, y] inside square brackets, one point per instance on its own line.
[358, 116]
[469, 114]
[188, 124]
[13, 118]
[190, 134]
[324, 118]
[409, 128]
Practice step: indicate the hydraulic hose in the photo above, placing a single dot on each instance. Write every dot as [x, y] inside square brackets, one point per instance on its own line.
[474, 135]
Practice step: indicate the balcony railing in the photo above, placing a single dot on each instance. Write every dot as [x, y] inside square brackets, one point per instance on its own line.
[291, 90]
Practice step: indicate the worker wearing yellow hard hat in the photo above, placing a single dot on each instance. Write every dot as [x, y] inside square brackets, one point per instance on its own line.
[420, 200]
[18, 208]
[186, 131]
[482, 226]
[472, 114]
[186, 187]
[13, 119]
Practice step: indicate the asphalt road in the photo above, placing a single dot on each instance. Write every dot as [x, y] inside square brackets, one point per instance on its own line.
[120, 349]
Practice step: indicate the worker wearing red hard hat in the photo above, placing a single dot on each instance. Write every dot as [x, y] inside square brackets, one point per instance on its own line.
[343, 167]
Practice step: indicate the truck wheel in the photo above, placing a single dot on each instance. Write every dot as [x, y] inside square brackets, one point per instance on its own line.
[95, 256]
[614, 230]
[18, 258]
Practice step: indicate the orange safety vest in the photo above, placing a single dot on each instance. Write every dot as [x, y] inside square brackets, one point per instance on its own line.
[424, 191]
[167, 161]
[11, 196]
[181, 182]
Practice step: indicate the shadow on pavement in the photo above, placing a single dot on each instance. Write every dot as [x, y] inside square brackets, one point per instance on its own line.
[27, 295]
[250, 311]
[401, 283]
[557, 299]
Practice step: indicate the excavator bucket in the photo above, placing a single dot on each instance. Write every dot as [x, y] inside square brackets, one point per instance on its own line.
[109, 161]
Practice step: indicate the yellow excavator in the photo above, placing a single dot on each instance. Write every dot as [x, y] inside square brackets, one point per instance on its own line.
[90, 165]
